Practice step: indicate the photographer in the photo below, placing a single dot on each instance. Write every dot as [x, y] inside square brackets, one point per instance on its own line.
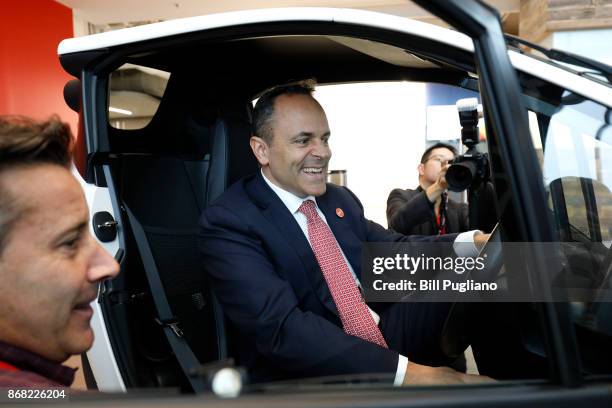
[428, 210]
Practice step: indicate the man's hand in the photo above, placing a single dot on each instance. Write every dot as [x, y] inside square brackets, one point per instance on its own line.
[436, 189]
[417, 374]
[481, 239]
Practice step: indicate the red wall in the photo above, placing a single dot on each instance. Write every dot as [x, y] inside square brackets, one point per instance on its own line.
[31, 77]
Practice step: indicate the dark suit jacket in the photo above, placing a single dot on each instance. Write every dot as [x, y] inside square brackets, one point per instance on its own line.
[266, 277]
[410, 212]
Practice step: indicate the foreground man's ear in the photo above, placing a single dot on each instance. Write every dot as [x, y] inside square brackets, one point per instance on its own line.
[260, 150]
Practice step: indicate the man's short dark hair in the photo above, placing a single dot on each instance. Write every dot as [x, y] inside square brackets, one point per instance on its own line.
[26, 142]
[428, 151]
[264, 109]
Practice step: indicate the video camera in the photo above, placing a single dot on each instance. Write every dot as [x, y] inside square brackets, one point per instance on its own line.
[470, 169]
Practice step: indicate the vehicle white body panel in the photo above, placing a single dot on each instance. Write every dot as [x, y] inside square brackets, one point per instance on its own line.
[212, 21]
[101, 356]
[565, 79]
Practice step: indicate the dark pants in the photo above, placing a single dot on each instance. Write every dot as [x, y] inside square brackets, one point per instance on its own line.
[414, 329]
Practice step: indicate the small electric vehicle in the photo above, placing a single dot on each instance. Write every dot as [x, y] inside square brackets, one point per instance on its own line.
[164, 130]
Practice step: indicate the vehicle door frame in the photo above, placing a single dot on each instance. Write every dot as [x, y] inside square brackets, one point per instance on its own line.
[525, 216]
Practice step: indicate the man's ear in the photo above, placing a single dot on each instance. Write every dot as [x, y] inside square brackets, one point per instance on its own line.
[421, 169]
[260, 150]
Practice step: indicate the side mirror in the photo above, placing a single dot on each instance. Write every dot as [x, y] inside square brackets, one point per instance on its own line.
[72, 94]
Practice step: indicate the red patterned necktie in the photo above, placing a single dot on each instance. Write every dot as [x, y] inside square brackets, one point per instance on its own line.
[354, 314]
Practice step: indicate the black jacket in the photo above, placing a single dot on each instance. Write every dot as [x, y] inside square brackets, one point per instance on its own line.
[409, 212]
[271, 287]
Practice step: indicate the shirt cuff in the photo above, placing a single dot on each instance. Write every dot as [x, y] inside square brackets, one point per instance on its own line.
[402, 365]
[464, 245]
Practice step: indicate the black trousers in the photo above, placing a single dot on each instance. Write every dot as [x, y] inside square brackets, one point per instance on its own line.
[414, 329]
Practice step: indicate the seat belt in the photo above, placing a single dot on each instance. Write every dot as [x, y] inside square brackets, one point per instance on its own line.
[186, 359]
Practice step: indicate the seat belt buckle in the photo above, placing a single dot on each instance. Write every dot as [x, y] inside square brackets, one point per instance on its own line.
[173, 324]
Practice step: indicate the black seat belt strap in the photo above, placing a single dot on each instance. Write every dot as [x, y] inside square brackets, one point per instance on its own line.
[186, 359]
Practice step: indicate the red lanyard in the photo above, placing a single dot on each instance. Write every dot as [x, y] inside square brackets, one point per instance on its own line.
[441, 225]
[7, 367]
[441, 215]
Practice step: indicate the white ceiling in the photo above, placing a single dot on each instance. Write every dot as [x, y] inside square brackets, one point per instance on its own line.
[124, 11]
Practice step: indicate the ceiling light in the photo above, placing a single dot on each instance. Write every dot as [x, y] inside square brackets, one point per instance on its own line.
[117, 110]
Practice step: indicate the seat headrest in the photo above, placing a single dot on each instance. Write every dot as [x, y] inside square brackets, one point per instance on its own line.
[231, 157]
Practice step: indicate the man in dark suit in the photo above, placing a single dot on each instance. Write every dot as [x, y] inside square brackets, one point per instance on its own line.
[427, 210]
[282, 249]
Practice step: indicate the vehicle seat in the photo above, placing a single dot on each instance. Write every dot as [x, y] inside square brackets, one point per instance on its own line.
[167, 195]
[231, 156]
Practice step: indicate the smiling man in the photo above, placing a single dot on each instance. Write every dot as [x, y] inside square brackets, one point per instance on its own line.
[297, 160]
[50, 265]
[283, 250]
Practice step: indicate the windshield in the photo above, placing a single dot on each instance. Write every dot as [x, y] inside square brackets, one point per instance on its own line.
[576, 139]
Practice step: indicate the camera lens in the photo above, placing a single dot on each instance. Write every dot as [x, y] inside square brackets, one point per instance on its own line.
[459, 176]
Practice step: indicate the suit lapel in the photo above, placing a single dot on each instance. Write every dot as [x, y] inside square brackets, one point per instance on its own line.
[279, 216]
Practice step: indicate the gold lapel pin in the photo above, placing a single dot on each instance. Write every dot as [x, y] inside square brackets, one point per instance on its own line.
[339, 212]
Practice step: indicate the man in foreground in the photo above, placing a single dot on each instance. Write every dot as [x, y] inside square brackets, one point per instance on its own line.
[427, 210]
[50, 265]
[282, 249]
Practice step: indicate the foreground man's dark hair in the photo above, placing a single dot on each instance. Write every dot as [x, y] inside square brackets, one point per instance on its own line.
[26, 142]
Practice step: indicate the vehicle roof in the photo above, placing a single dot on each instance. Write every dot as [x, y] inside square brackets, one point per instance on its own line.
[128, 37]
[303, 14]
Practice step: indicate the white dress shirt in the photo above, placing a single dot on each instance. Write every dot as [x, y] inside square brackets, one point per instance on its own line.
[293, 203]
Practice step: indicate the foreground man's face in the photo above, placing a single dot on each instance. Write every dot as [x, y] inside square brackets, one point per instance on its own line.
[298, 156]
[51, 266]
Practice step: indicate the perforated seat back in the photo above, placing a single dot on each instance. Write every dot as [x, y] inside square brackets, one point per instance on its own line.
[231, 156]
